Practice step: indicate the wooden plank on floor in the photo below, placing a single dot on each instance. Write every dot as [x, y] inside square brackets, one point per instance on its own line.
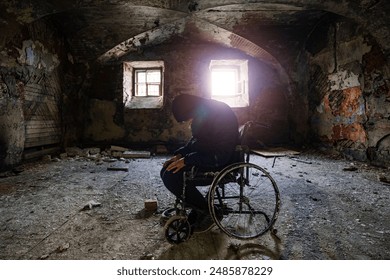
[136, 154]
[275, 152]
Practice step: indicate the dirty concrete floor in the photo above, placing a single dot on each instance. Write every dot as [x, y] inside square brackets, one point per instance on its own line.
[329, 211]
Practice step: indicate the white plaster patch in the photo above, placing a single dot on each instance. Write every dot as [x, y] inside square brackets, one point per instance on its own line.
[320, 109]
[343, 80]
[36, 55]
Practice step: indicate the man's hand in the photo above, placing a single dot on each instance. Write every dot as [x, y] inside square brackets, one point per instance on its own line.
[169, 161]
[176, 165]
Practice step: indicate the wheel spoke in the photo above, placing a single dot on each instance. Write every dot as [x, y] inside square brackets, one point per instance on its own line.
[250, 202]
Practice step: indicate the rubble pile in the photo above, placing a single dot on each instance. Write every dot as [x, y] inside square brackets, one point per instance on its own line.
[111, 154]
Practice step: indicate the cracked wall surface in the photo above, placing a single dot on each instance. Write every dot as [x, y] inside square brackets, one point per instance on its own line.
[350, 97]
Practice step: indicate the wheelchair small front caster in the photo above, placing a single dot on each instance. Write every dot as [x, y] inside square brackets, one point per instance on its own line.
[166, 215]
[177, 229]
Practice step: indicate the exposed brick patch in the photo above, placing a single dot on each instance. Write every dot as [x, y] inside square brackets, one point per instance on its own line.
[354, 132]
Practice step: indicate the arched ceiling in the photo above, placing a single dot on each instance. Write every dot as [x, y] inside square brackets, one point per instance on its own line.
[107, 29]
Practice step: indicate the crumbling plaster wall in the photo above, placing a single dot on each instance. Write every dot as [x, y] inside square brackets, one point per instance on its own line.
[28, 54]
[349, 92]
[187, 59]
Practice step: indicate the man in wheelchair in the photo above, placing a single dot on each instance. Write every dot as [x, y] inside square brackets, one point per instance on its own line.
[215, 135]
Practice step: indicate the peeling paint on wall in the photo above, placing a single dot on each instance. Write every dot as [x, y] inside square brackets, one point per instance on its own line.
[343, 113]
[343, 80]
[351, 111]
[354, 132]
[30, 91]
[348, 103]
[33, 53]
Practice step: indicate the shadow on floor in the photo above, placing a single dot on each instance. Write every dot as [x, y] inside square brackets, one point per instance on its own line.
[217, 245]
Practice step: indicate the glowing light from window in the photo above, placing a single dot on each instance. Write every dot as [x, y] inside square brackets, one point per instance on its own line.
[223, 82]
[148, 82]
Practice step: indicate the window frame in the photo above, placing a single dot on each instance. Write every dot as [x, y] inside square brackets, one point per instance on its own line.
[136, 84]
[132, 101]
[241, 96]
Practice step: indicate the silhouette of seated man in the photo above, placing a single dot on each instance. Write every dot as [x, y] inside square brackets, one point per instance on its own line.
[215, 135]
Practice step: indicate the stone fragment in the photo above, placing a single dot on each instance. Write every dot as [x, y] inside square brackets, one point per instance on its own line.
[74, 151]
[350, 168]
[90, 204]
[94, 151]
[150, 204]
[114, 168]
[116, 154]
[136, 154]
[62, 248]
[118, 149]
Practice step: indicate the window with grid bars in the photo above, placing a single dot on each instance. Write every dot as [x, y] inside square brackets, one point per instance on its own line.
[147, 82]
[143, 84]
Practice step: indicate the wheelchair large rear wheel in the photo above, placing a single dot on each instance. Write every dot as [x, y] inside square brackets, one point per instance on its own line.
[247, 197]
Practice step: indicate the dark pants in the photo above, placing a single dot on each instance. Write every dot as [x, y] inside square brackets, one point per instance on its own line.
[174, 183]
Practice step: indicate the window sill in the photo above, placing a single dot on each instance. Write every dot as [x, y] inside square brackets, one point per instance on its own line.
[150, 102]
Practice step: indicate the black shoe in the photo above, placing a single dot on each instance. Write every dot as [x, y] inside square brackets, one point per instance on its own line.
[203, 224]
[193, 217]
[166, 215]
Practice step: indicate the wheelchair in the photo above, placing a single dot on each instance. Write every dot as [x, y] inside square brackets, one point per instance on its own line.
[244, 193]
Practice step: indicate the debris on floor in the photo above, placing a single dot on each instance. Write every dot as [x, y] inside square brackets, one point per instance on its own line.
[90, 204]
[275, 152]
[136, 154]
[127, 153]
[350, 168]
[114, 168]
[62, 248]
[150, 204]
[384, 179]
[118, 149]
[111, 154]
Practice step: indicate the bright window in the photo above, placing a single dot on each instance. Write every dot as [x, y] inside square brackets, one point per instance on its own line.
[147, 82]
[229, 82]
[143, 84]
[224, 81]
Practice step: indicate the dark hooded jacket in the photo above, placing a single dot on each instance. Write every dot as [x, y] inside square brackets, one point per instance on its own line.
[214, 130]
